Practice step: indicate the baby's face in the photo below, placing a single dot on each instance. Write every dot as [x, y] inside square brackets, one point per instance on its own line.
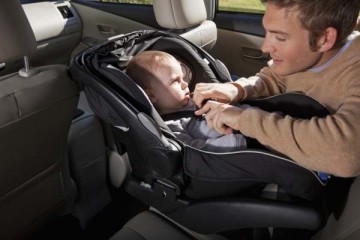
[171, 90]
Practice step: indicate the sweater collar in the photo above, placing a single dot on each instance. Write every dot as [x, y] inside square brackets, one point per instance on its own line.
[350, 40]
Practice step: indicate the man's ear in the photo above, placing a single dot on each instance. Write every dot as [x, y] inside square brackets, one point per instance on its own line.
[327, 40]
[150, 93]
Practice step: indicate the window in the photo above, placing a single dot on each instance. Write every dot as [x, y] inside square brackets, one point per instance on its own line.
[34, 1]
[245, 6]
[142, 2]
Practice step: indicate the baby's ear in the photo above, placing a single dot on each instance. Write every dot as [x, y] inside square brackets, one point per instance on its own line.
[150, 93]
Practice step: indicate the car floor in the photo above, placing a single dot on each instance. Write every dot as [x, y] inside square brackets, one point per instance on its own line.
[103, 226]
[107, 222]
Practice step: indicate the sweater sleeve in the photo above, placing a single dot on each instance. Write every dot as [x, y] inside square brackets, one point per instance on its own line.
[264, 84]
[330, 144]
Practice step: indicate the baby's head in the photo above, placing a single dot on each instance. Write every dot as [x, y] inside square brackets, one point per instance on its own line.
[159, 74]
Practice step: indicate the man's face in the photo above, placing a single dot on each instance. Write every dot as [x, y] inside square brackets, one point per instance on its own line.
[287, 42]
[171, 91]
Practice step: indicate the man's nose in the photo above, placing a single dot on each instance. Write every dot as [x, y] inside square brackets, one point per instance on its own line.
[267, 46]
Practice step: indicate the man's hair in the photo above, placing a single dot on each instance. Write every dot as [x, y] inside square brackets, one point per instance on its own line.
[317, 15]
[142, 67]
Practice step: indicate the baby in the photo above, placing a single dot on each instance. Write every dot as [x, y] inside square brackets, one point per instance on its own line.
[160, 75]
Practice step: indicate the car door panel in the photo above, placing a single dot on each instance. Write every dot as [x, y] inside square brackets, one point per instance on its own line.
[240, 37]
[102, 20]
[240, 52]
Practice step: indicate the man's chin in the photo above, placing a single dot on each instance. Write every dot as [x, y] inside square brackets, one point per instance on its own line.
[279, 70]
[282, 70]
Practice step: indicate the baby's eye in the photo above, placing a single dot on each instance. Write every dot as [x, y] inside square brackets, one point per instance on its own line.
[178, 79]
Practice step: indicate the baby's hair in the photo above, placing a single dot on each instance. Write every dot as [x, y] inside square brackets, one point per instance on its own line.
[143, 66]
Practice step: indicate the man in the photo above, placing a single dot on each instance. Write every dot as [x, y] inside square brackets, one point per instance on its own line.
[315, 51]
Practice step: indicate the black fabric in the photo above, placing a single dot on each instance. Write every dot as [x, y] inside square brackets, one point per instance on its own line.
[78, 112]
[297, 105]
[251, 168]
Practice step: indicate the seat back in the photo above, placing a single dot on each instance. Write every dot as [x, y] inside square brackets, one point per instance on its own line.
[36, 106]
[188, 18]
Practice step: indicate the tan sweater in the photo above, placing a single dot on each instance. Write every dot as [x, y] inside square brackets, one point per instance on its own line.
[330, 144]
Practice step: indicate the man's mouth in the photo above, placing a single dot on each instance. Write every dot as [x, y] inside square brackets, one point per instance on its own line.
[276, 61]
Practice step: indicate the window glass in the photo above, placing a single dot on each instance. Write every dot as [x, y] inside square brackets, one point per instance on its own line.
[143, 2]
[34, 1]
[245, 6]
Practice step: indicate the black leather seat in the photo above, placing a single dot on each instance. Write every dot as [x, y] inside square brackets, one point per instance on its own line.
[36, 106]
[150, 225]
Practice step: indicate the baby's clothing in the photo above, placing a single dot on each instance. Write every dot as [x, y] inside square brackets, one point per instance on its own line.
[195, 132]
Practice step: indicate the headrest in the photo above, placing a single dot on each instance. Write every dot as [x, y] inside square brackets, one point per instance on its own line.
[179, 14]
[17, 38]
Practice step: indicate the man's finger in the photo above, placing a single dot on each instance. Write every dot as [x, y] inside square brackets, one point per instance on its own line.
[203, 110]
[200, 96]
[220, 126]
[209, 106]
[198, 100]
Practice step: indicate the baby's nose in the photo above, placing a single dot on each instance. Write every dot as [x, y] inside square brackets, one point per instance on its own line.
[184, 84]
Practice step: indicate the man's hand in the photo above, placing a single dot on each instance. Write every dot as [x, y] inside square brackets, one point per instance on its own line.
[221, 117]
[222, 92]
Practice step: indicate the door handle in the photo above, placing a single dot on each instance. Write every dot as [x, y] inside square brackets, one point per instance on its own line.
[106, 30]
[255, 54]
[260, 57]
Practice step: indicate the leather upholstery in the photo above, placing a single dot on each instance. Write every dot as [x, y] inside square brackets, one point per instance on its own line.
[188, 18]
[36, 113]
[18, 43]
[150, 225]
[175, 14]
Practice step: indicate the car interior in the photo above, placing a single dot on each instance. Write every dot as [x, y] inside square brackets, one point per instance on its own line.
[63, 173]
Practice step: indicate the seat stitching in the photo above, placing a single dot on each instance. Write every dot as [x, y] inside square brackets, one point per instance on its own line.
[173, 13]
[17, 104]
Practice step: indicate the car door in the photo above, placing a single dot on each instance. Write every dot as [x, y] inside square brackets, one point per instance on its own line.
[104, 19]
[240, 36]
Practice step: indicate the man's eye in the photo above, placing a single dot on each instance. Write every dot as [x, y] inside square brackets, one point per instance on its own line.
[281, 39]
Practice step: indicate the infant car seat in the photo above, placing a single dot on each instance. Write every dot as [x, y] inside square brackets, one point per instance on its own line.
[198, 189]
